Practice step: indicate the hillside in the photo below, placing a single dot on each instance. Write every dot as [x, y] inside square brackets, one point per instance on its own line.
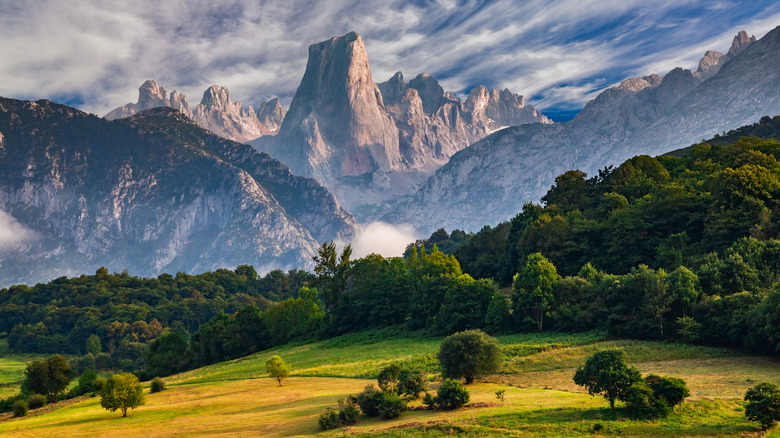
[236, 398]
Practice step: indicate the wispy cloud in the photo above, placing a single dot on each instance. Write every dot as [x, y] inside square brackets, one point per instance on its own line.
[95, 53]
[383, 239]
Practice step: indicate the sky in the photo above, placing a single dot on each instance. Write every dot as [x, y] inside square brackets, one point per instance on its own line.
[94, 54]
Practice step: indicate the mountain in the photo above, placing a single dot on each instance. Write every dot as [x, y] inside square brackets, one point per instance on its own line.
[150, 193]
[372, 143]
[489, 181]
[216, 111]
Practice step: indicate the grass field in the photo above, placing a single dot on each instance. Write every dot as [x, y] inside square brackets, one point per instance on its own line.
[12, 369]
[236, 399]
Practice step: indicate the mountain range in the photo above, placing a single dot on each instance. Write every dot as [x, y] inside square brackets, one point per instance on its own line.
[151, 193]
[489, 181]
[157, 186]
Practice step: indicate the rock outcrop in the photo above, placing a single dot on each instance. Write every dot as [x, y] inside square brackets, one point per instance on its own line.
[216, 111]
[489, 181]
[151, 193]
[372, 143]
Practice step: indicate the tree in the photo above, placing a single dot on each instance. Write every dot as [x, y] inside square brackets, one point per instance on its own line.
[468, 355]
[533, 288]
[606, 373]
[277, 368]
[331, 272]
[93, 344]
[763, 404]
[48, 376]
[122, 391]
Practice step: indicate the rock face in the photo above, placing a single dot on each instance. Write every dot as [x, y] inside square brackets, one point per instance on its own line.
[371, 143]
[489, 181]
[151, 193]
[216, 111]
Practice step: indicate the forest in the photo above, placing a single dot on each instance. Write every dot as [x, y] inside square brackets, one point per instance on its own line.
[682, 247]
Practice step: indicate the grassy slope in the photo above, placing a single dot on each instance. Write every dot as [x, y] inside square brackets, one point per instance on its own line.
[231, 398]
[12, 369]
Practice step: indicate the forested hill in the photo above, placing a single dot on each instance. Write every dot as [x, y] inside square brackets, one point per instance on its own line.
[679, 248]
[766, 128]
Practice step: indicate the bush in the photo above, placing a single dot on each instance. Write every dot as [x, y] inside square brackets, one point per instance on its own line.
[670, 389]
[388, 377]
[429, 401]
[329, 419]
[469, 354]
[412, 383]
[20, 408]
[99, 384]
[391, 405]
[157, 385]
[642, 402]
[451, 395]
[763, 404]
[87, 381]
[369, 400]
[348, 413]
[36, 401]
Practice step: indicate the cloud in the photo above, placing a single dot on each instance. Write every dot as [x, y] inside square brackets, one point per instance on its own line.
[383, 239]
[12, 233]
[95, 53]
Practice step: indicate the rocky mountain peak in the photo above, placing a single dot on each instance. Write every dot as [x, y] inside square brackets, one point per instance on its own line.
[430, 92]
[740, 43]
[150, 94]
[271, 114]
[216, 97]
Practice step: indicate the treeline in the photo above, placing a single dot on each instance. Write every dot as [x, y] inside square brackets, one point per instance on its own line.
[127, 312]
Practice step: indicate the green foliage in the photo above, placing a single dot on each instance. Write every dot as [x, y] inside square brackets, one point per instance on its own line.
[498, 316]
[451, 395]
[412, 383]
[445, 242]
[606, 373]
[48, 376]
[641, 402]
[93, 344]
[36, 401]
[277, 368]
[500, 394]
[369, 400]
[391, 405]
[671, 390]
[167, 355]
[348, 412]
[157, 385]
[87, 381]
[468, 355]
[122, 391]
[329, 419]
[533, 289]
[20, 408]
[763, 404]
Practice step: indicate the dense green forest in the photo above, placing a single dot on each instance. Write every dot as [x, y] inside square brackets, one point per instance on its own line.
[682, 247]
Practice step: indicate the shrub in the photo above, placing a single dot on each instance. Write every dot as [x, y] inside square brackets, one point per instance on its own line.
[329, 419]
[469, 354]
[500, 394]
[87, 381]
[763, 404]
[412, 383]
[369, 400]
[36, 401]
[348, 413]
[157, 385]
[20, 408]
[391, 405]
[99, 384]
[670, 389]
[429, 401]
[642, 402]
[451, 395]
[389, 376]
[606, 373]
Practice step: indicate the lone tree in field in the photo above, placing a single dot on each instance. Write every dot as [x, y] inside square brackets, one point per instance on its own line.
[763, 404]
[606, 373]
[122, 391]
[48, 376]
[533, 288]
[469, 354]
[277, 368]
